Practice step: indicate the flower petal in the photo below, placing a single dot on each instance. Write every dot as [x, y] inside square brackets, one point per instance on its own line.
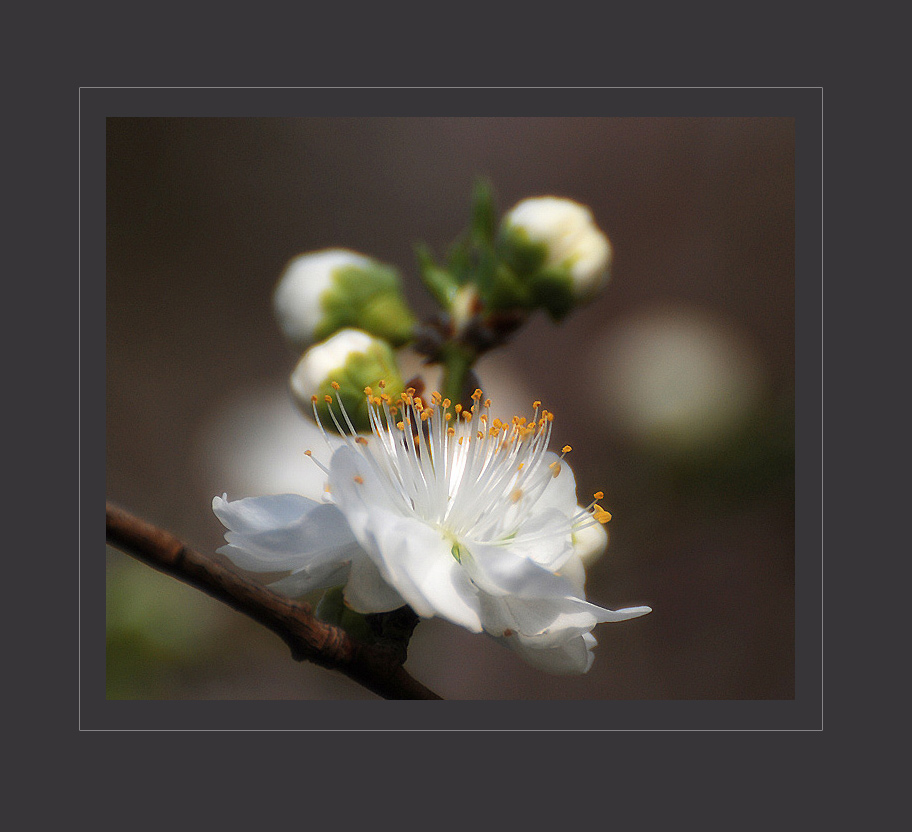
[502, 569]
[574, 571]
[572, 657]
[411, 556]
[308, 580]
[419, 562]
[367, 591]
[286, 531]
[560, 492]
[544, 538]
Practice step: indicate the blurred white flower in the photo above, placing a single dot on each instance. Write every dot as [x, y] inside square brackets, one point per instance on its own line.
[322, 292]
[451, 511]
[555, 244]
[677, 376]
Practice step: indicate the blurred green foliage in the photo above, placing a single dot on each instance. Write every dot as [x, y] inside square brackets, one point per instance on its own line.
[157, 630]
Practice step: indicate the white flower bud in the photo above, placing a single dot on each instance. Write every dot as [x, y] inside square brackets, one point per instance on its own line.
[353, 360]
[324, 291]
[554, 245]
[590, 542]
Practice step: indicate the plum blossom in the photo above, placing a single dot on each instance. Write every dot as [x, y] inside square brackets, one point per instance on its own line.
[449, 511]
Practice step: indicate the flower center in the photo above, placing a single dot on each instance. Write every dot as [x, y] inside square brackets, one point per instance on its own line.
[459, 469]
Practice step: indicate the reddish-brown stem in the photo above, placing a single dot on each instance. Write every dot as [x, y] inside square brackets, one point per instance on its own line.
[375, 668]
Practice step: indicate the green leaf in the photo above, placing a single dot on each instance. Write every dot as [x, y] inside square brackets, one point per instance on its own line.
[439, 282]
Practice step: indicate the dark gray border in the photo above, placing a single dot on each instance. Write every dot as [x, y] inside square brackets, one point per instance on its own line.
[802, 713]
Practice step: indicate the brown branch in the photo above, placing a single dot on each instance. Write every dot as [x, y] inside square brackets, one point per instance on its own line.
[376, 668]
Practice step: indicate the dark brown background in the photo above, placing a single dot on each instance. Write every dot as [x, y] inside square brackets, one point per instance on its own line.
[202, 214]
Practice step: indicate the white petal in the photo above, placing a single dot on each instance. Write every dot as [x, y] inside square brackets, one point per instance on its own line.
[572, 657]
[276, 533]
[419, 562]
[499, 569]
[560, 492]
[574, 571]
[367, 591]
[257, 514]
[306, 580]
[411, 556]
[544, 538]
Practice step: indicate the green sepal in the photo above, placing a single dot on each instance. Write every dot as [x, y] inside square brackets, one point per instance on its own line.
[367, 298]
[332, 609]
[552, 289]
[484, 214]
[439, 282]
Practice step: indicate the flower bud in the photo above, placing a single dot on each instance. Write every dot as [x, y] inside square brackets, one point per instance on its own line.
[590, 542]
[324, 291]
[556, 252]
[353, 360]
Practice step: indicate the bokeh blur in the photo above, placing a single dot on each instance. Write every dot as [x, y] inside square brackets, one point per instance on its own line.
[675, 387]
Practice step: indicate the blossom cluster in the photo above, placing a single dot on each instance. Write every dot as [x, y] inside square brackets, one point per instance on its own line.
[433, 503]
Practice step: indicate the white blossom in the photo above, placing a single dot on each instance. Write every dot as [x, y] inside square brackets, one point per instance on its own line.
[449, 511]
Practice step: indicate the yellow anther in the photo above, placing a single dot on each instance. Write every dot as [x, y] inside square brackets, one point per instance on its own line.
[477, 394]
[599, 495]
[536, 405]
[361, 440]
[480, 435]
[328, 399]
[436, 398]
[446, 402]
[368, 391]
[466, 416]
[394, 411]
[400, 425]
[425, 415]
[459, 408]
[308, 453]
[314, 398]
[334, 385]
[384, 397]
[487, 402]
[381, 383]
[555, 468]
[451, 431]
[601, 515]
[459, 442]
[359, 480]
[521, 466]
[516, 496]
[448, 416]
[566, 449]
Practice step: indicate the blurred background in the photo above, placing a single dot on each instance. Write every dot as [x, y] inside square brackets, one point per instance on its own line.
[675, 387]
